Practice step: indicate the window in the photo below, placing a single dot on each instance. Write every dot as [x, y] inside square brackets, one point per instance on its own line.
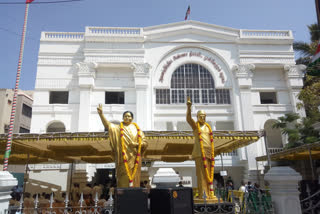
[23, 130]
[196, 82]
[268, 98]
[114, 97]
[58, 97]
[6, 128]
[26, 110]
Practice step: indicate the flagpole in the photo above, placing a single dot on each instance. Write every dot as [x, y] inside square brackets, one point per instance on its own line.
[317, 10]
[13, 109]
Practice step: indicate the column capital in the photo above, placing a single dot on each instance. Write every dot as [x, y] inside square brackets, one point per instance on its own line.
[141, 69]
[294, 75]
[86, 73]
[86, 67]
[294, 71]
[244, 70]
[141, 74]
[244, 74]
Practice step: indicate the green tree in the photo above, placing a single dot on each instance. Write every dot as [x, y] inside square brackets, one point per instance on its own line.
[310, 97]
[310, 93]
[298, 132]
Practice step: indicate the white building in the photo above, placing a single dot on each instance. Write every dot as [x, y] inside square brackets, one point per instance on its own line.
[243, 79]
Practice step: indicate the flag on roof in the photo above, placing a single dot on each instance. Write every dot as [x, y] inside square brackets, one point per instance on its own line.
[314, 67]
[29, 1]
[187, 13]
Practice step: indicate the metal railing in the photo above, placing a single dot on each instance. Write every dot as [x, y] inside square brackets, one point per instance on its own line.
[247, 202]
[229, 202]
[311, 204]
[53, 207]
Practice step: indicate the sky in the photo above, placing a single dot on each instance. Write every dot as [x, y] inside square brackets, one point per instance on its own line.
[292, 15]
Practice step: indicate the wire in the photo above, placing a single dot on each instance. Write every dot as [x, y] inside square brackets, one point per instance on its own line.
[17, 34]
[51, 2]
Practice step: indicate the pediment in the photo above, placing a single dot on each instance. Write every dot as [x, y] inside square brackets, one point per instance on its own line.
[191, 31]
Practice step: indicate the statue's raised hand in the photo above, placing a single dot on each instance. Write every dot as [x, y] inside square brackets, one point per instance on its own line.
[189, 103]
[99, 109]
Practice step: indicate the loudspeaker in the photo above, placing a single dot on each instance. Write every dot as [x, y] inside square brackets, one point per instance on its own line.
[131, 200]
[171, 200]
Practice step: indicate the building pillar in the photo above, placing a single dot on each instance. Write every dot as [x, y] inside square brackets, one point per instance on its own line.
[294, 77]
[284, 189]
[244, 75]
[86, 76]
[143, 95]
[7, 182]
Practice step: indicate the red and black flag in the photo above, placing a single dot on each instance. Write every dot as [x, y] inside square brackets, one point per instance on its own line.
[187, 13]
[314, 67]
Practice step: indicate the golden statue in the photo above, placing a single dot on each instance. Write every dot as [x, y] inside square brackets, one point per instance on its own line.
[203, 153]
[128, 145]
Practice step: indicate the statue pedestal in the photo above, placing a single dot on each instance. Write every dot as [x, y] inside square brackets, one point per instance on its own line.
[208, 201]
[166, 178]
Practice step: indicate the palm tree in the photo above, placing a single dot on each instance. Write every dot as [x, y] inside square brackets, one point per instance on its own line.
[307, 50]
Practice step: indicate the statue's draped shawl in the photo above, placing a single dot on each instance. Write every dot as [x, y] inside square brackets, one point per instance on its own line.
[205, 134]
[131, 145]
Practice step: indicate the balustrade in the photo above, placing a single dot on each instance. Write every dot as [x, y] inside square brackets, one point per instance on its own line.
[311, 204]
[62, 36]
[114, 31]
[275, 34]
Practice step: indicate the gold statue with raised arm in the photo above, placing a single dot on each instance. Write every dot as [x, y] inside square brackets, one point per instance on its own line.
[128, 145]
[203, 153]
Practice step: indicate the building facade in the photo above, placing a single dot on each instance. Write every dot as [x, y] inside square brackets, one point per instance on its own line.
[23, 114]
[243, 79]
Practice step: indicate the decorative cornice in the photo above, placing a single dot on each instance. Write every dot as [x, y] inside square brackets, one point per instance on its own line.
[266, 60]
[59, 60]
[115, 59]
[51, 83]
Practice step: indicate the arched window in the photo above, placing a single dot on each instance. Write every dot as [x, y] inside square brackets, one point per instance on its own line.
[194, 81]
[56, 127]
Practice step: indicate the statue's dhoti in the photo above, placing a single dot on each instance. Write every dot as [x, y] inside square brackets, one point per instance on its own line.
[203, 184]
